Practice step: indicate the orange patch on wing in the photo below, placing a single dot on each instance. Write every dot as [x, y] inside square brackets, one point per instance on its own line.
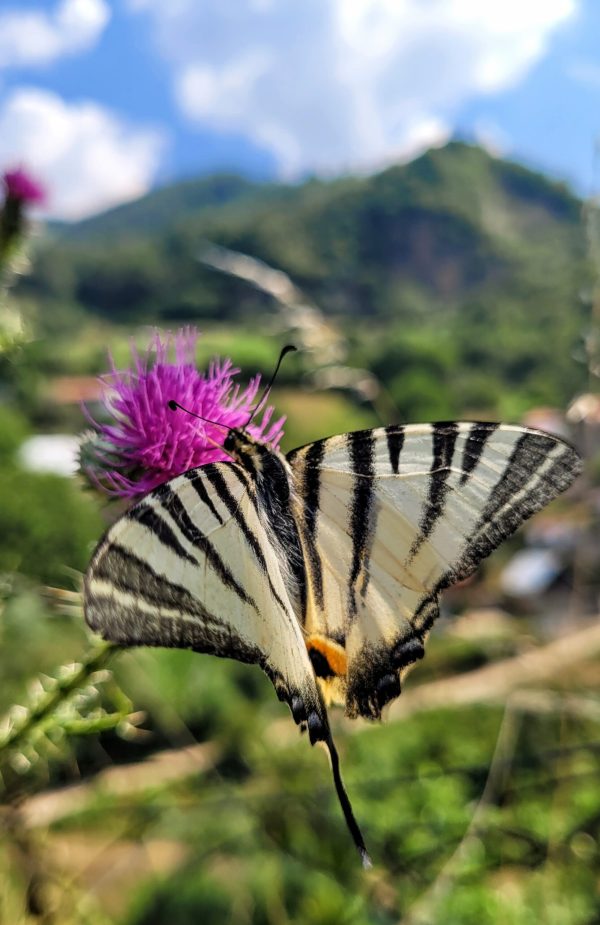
[332, 651]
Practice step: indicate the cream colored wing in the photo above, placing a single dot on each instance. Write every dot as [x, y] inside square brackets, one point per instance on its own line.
[191, 566]
[389, 518]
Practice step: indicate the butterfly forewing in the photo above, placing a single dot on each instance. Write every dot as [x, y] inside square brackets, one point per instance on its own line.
[192, 566]
[390, 517]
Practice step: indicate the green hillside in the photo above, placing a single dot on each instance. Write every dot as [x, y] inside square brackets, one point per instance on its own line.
[156, 212]
[455, 258]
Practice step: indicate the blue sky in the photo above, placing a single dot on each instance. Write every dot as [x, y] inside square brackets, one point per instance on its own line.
[103, 99]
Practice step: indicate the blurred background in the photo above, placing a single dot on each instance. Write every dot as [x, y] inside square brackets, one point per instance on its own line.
[406, 190]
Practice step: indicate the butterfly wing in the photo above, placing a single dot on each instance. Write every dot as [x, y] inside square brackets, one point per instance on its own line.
[191, 566]
[389, 518]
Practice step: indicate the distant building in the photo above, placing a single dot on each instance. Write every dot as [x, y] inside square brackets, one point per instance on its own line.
[57, 453]
[72, 390]
[584, 417]
[552, 420]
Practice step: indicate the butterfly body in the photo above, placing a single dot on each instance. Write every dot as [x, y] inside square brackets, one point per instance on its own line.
[324, 566]
[269, 482]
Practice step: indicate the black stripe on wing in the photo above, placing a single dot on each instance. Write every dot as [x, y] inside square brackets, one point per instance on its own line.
[529, 454]
[311, 490]
[173, 505]
[475, 444]
[196, 480]
[361, 446]
[219, 484]
[147, 516]
[395, 441]
[444, 441]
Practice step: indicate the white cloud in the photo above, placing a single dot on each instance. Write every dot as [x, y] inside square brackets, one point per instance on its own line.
[34, 37]
[88, 159]
[332, 84]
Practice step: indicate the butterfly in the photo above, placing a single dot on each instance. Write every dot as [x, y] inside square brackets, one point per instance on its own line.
[323, 566]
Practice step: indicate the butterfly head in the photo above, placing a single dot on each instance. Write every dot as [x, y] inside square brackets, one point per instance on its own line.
[239, 442]
[259, 459]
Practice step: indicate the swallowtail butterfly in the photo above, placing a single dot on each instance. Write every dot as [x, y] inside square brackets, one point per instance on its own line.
[325, 566]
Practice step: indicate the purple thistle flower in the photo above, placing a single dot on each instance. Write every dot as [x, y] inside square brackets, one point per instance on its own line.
[21, 187]
[20, 191]
[146, 443]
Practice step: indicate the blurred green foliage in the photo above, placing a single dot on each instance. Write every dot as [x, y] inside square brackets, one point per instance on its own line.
[47, 525]
[14, 427]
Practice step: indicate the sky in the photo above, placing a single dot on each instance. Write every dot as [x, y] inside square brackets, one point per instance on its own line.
[104, 99]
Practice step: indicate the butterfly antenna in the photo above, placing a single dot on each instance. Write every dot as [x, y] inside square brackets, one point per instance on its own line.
[289, 348]
[174, 405]
[346, 805]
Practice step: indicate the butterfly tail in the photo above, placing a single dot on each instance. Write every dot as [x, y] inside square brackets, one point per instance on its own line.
[346, 805]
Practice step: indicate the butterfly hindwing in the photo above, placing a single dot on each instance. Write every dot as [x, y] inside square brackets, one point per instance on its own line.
[390, 517]
[192, 566]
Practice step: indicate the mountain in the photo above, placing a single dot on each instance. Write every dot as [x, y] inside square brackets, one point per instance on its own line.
[158, 210]
[454, 223]
[457, 252]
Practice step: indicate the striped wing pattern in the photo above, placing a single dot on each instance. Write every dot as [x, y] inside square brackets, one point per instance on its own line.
[192, 566]
[390, 517]
[324, 568]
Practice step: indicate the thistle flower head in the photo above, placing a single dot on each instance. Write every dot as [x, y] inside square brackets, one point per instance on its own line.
[20, 191]
[144, 443]
[21, 187]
